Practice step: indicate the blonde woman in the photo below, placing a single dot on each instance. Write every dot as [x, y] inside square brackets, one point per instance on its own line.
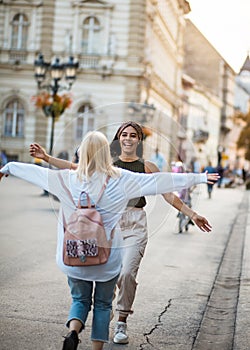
[95, 164]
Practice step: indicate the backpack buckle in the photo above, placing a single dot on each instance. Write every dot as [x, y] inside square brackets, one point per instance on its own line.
[82, 258]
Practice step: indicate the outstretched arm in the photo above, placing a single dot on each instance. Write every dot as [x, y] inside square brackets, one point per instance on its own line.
[29, 172]
[178, 204]
[37, 151]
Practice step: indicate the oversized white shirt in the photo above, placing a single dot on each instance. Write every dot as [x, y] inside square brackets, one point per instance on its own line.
[111, 205]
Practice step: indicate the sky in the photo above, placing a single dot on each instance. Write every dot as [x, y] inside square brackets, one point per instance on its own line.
[226, 25]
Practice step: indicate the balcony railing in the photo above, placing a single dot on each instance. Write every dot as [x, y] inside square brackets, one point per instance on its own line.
[89, 61]
[17, 56]
[200, 135]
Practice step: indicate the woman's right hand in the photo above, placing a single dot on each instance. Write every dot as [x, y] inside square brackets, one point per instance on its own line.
[38, 151]
[212, 177]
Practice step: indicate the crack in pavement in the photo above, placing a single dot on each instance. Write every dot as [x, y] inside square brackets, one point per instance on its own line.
[156, 326]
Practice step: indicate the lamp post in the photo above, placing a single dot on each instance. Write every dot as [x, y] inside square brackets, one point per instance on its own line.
[220, 150]
[57, 71]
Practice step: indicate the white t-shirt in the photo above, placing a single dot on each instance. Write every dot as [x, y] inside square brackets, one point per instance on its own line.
[111, 205]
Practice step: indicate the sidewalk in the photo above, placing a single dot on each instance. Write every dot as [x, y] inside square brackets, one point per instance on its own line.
[242, 327]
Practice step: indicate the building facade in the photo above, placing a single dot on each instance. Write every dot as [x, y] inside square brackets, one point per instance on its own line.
[200, 122]
[242, 105]
[209, 69]
[128, 51]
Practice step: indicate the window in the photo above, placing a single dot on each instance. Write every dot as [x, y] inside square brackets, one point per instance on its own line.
[85, 121]
[91, 37]
[14, 119]
[19, 33]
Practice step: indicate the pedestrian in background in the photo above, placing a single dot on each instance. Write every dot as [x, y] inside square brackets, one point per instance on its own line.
[158, 159]
[210, 169]
[195, 165]
[220, 171]
[95, 164]
[185, 196]
[4, 158]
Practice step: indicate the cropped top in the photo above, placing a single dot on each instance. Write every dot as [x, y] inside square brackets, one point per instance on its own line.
[136, 166]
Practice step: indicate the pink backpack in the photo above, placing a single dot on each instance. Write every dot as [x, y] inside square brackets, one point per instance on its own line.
[85, 242]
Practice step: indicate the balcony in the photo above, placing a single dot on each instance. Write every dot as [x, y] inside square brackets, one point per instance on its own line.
[89, 61]
[226, 124]
[200, 136]
[102, 64]
[18, 57]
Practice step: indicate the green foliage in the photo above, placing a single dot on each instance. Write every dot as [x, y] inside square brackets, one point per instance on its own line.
[244, 138]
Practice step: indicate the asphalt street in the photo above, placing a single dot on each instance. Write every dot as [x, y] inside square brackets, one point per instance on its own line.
[193, 288]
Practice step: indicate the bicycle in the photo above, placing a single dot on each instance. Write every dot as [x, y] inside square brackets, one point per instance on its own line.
[184, 222]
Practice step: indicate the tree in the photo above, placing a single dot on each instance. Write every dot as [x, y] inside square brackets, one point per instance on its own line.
[244, 137]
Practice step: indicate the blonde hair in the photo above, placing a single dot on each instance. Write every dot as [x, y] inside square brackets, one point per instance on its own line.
[94, 156]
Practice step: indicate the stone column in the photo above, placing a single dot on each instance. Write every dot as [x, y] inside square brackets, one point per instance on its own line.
[47, 27]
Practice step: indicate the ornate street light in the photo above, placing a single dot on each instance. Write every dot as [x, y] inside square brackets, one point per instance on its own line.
[51, 103]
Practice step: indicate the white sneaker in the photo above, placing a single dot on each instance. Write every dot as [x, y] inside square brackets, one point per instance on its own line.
[120, 333]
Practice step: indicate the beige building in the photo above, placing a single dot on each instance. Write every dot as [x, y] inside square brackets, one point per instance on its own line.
[200, 121]
[128, 51]
[209, 69]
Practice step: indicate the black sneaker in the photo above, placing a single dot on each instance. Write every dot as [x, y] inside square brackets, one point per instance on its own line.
[71, 341]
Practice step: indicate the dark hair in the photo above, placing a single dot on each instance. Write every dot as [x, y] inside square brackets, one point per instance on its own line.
[76, 157]
[115, 148]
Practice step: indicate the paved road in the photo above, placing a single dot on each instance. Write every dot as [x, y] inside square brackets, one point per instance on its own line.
[193, 292]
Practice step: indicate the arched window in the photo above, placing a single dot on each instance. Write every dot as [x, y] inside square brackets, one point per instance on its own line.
[14, 119]
[85, 121]
[19, 34]
[91, 37]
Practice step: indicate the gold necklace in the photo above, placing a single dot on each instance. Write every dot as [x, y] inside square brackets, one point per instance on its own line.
[127, 159]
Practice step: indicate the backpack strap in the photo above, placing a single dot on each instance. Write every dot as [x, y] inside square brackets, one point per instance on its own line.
[65, 187]
[103, 189]
[88, 199]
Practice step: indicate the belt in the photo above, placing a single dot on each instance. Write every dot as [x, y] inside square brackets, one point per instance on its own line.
[133, 208]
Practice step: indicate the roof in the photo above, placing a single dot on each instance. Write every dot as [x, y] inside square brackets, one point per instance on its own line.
[246, 65]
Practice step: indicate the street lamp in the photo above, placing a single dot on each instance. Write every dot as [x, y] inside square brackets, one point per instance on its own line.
[57, 71]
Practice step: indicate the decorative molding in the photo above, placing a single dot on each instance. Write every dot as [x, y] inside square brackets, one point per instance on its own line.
[29, 3]
[92, 4]
[11, 94]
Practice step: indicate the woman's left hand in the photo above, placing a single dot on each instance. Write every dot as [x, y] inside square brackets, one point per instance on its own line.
[202, 223]
[2, 175]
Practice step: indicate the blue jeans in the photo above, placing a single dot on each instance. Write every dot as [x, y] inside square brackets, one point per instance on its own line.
[81, 292]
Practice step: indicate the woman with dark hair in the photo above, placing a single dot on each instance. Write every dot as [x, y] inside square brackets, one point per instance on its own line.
[127, 151]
